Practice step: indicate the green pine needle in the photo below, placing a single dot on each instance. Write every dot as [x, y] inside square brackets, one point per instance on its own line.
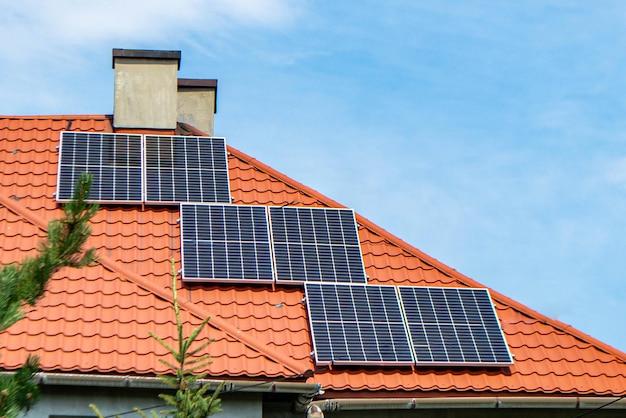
[24, 283]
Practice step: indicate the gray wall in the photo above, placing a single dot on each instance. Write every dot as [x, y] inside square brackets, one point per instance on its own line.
[278, 410]
[74, 402]
[70, 401]
[478, 413]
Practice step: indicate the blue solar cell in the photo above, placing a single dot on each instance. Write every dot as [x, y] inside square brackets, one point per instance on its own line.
[131, 168]
[186, 169]
[357, 324]
[454, 326]
[114, 160]
[316, 245]
[225, 243]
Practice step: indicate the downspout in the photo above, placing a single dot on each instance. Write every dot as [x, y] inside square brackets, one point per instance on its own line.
[303, 402]
[317, 409]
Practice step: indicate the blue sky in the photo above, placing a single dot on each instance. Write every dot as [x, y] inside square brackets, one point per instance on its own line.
[490, 135]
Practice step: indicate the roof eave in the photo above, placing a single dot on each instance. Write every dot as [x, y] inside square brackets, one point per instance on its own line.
[474, 402]
[149, 382]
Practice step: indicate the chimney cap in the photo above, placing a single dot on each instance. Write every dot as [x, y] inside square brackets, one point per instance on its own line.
[197, 82]
[146, 54]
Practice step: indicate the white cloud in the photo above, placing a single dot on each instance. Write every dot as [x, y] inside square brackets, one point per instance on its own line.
[48, 46]
[30, 27]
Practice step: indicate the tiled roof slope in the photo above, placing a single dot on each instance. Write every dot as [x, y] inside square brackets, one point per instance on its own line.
[98, 319]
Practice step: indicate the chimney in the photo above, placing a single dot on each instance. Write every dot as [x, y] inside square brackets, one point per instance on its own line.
[145, 88]
[197, 103]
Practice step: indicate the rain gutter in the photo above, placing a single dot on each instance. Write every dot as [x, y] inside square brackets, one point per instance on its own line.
[327, 406]
[141, 382]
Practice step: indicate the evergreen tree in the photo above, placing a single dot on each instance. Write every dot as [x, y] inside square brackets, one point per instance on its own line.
[191, 399]
[25, 283]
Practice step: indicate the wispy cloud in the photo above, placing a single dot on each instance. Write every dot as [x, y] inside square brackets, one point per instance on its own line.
[32, 25]
[48, 42]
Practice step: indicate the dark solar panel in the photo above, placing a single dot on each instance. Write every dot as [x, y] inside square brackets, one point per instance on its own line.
[455, 326]
[186, 169]
[357, 324]
[114, 160]
[316, 245]
[225, 243]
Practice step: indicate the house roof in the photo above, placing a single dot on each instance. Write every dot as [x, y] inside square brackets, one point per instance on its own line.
[98, 319]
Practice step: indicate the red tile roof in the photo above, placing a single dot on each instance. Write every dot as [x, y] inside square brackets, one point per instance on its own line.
[98, 319]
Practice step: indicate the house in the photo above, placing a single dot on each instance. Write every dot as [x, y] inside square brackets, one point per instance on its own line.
[91, 329]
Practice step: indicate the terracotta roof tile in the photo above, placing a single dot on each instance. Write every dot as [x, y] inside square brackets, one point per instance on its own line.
[98, 319]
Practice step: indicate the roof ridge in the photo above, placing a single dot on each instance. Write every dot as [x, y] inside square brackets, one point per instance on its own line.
[192, 308]
[192, 129]
[54, 117]
[189, 306]
[393, 239]
[327, 201]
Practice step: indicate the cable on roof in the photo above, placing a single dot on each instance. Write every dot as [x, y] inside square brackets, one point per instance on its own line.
[600, 407]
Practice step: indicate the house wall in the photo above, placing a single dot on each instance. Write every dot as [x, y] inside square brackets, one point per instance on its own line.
[73, 402]
[277, 410]
[65, 401]
[472, 413]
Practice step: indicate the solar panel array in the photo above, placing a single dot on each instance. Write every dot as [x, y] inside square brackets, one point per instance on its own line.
[454, 326]
[114, 160]
[294, 245]
[225, 242]
[357, 325]
[316, 245]
[186, 169]
[130, 168]
[351, 322]
[369, 324]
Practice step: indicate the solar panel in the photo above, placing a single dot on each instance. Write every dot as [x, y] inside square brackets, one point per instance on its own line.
[316, 245]
[114, 160]
[186, 169]
[225, 243]
[357, 324]
[454, 326]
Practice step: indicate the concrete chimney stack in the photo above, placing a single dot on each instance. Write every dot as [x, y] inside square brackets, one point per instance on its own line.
[145, 88]
[197, 103]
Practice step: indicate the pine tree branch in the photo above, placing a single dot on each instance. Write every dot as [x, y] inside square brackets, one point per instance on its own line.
[190, 400]
[24, 284]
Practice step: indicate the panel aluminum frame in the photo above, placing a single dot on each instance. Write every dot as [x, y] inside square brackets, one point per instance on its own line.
[114, 160]
[357, 324]
[454, 327]
[214, 250]
[312, 244]
[180, 169]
